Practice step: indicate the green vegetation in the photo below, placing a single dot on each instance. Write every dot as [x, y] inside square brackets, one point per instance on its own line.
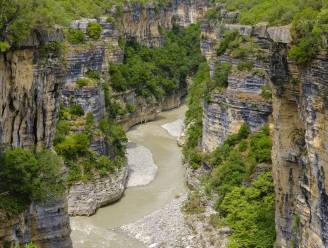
[246, 197]
[94, 30]
[83, 162]
[158, 71]
[27, 176]
[18, 18]
[194, 114]
[266, 92]
[194, 204]
[220, 76]
[75, 36]
[30, 245]
[309, 19]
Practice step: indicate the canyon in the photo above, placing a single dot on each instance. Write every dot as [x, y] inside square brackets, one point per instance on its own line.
[34, 86]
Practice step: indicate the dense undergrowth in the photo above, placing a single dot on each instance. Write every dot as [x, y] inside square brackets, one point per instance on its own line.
[158, 71]
[241, 177]
[241, 181]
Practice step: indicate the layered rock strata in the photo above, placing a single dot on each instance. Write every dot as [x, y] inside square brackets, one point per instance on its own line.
[299, 111]
[29, 100]
[86, 198]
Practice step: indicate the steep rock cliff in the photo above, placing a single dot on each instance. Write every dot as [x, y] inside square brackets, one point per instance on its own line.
[241, 101]
[299, 153]
[299, 113]
[30, 94]
[145, 22]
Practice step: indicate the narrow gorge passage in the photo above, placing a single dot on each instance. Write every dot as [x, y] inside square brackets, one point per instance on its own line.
[101, 230]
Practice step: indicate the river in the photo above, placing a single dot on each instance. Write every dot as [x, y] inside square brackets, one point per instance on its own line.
[102, 229]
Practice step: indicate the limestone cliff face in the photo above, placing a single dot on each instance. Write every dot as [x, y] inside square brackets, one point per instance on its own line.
[299, 113]
[144, 22]
[29, 100]
[300, 150]
[86, 198]
[241, 102]
[46, 225]
[147, 110]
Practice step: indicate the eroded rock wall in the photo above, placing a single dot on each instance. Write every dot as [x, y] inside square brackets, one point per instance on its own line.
[145, 22]
[299, 116]
[300, 152]
[241, 101]
[30, 88]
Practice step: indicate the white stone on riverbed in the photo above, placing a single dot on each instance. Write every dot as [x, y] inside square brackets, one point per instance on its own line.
[165, 227]
[142, 168]
[174, 128]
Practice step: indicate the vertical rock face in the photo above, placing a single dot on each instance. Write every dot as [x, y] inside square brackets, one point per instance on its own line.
[300, 150]
[241, 102]
[144, 22]
[29, 98]
[299, 111]
[30, 87]
[46, 225]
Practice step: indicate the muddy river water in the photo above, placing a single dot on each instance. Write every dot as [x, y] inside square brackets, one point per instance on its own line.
[102, 229]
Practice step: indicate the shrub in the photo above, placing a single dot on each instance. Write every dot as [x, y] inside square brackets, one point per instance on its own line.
[250, 212]
[221, 75]
[131, 108]
[76, 109]
[82, 82]
[266, 92]
[261, 145]
[26, 176]
[52, 48]
[75, 36]
[245, 65]
[231, 39]
[4, 46]
[73, 146]
[93, 74]
[194, 204]
[94, 30]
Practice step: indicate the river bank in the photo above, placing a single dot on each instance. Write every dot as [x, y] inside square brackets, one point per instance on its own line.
[102, 229]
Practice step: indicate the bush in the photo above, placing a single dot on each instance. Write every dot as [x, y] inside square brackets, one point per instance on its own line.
[221, 75]
[230, 40]
[94, 30]
[246, 199]
[76, 110]
[266, 92]
[245, 65]
[54, 48]
[82, 82]
[73, 146]
[249, 211]
[194, 204]
[4, 46]
[26, 176]
[75, 36]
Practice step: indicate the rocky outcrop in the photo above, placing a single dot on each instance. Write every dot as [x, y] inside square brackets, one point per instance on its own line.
[225, 113]
[299, 111]
[300, 154]
[86, 198]
[46, 225]
[241, 102]
[145, 22]
[147, 110]
[30, 84]
[29, 98]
